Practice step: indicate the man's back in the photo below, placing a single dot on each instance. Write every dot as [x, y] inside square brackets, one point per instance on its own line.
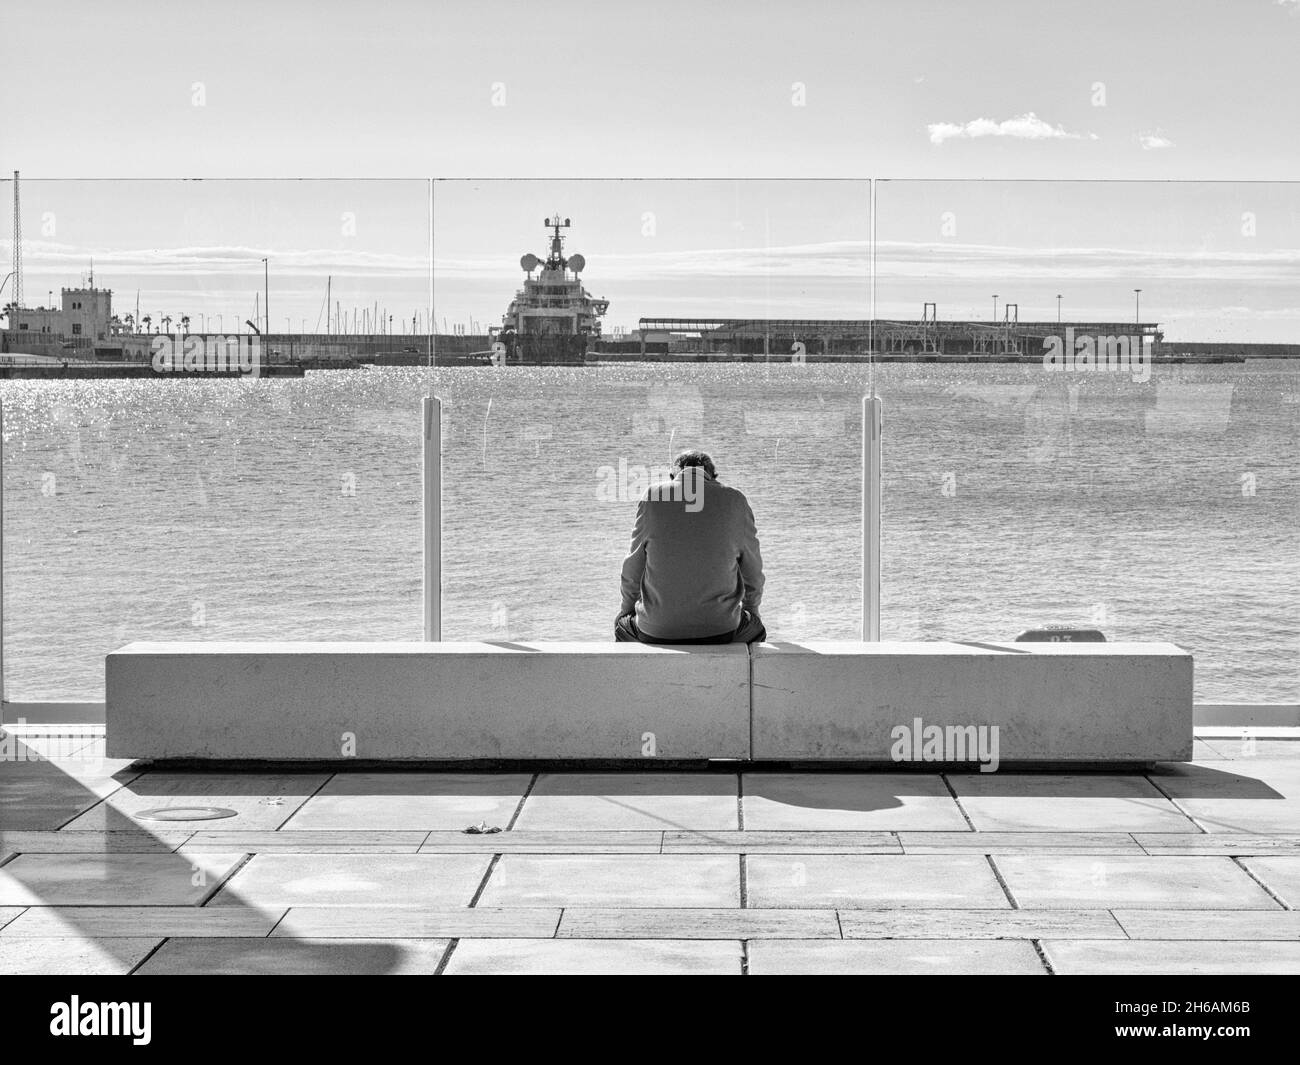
[694, 563]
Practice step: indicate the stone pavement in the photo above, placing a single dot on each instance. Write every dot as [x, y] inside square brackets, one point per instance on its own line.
[1185, 869]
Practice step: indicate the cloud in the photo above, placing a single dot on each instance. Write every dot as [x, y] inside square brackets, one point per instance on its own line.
[231, 260]
[1153, 141]
[1023, 127]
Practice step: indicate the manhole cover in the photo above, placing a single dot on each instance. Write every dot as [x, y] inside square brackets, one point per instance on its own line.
[187, 813]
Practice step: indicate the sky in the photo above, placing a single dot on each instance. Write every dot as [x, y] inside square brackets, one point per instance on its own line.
[970, 117]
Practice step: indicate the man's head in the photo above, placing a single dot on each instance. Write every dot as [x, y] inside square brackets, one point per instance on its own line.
[689, 459]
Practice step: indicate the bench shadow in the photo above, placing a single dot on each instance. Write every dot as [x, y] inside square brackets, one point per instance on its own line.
[1194, 781]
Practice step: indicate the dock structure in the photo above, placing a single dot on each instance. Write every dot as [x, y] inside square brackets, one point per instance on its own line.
[830, 337]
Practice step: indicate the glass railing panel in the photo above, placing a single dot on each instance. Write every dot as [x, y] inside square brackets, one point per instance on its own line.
[730, 280]
[1034, 480]
[266, 501]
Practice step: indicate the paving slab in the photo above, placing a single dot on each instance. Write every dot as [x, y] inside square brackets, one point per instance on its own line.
[544, 842]
[583, 923]
[143, 921]
[39, 796]
[443, 801]
[1206, 924]
[68, 956]
[1018, 842]
[1280, 874]
[1204, 750]
[1216, 843]
[270, 880]
[690, 880]
[1066, 802]
[593, 957]
[260, 800]
[1143, 957]
[799, 881]
[8, 913]
[898, 957]
[979, 924]
[128, 842]
[296, 957]
[1260, 796]
[287, 841]
[623, 801]
[1249, 747]
[1122, 881]
[793, 842]
[418, 922]
[113, 879]
[849, 801]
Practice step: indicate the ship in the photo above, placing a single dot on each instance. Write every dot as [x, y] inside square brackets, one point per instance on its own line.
[553, 319]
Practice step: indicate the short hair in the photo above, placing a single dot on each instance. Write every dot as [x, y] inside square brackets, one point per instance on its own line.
[695, 458]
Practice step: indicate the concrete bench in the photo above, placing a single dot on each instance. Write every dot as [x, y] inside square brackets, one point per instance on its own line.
[426, 701]
[1048, 702]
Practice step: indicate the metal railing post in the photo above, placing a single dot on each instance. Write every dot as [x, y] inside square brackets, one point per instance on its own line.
[432, 518]
[872, 413]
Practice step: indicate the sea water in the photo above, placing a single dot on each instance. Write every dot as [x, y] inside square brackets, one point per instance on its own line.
[1164, 509]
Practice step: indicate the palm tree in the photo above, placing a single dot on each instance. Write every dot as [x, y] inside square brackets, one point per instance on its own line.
[148, 321]
[185, 322]
[167, 322]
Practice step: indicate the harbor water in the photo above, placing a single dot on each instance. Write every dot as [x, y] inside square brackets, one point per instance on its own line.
[1165, 509]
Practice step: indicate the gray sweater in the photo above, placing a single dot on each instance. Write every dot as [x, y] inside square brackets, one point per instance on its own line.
[694, 560]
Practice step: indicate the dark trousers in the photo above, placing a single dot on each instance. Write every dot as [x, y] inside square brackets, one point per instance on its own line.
[750, 630]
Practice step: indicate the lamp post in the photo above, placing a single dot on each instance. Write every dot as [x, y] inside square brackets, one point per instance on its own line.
[1137, 306]
[266, 292]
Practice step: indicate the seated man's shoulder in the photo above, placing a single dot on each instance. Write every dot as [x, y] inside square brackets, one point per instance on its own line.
[734, 494]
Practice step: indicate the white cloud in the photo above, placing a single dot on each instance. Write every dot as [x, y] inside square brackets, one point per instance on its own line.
[1153, 141]
[1024, 127]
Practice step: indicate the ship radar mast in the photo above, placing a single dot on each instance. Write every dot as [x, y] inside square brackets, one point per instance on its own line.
[556, 261]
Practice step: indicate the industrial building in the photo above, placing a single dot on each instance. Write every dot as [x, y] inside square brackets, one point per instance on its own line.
[843, 338]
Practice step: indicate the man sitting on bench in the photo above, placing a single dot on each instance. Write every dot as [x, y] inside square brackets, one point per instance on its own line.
[694, 574]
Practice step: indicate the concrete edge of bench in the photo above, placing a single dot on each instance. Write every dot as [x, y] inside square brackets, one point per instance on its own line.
[817, 701]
